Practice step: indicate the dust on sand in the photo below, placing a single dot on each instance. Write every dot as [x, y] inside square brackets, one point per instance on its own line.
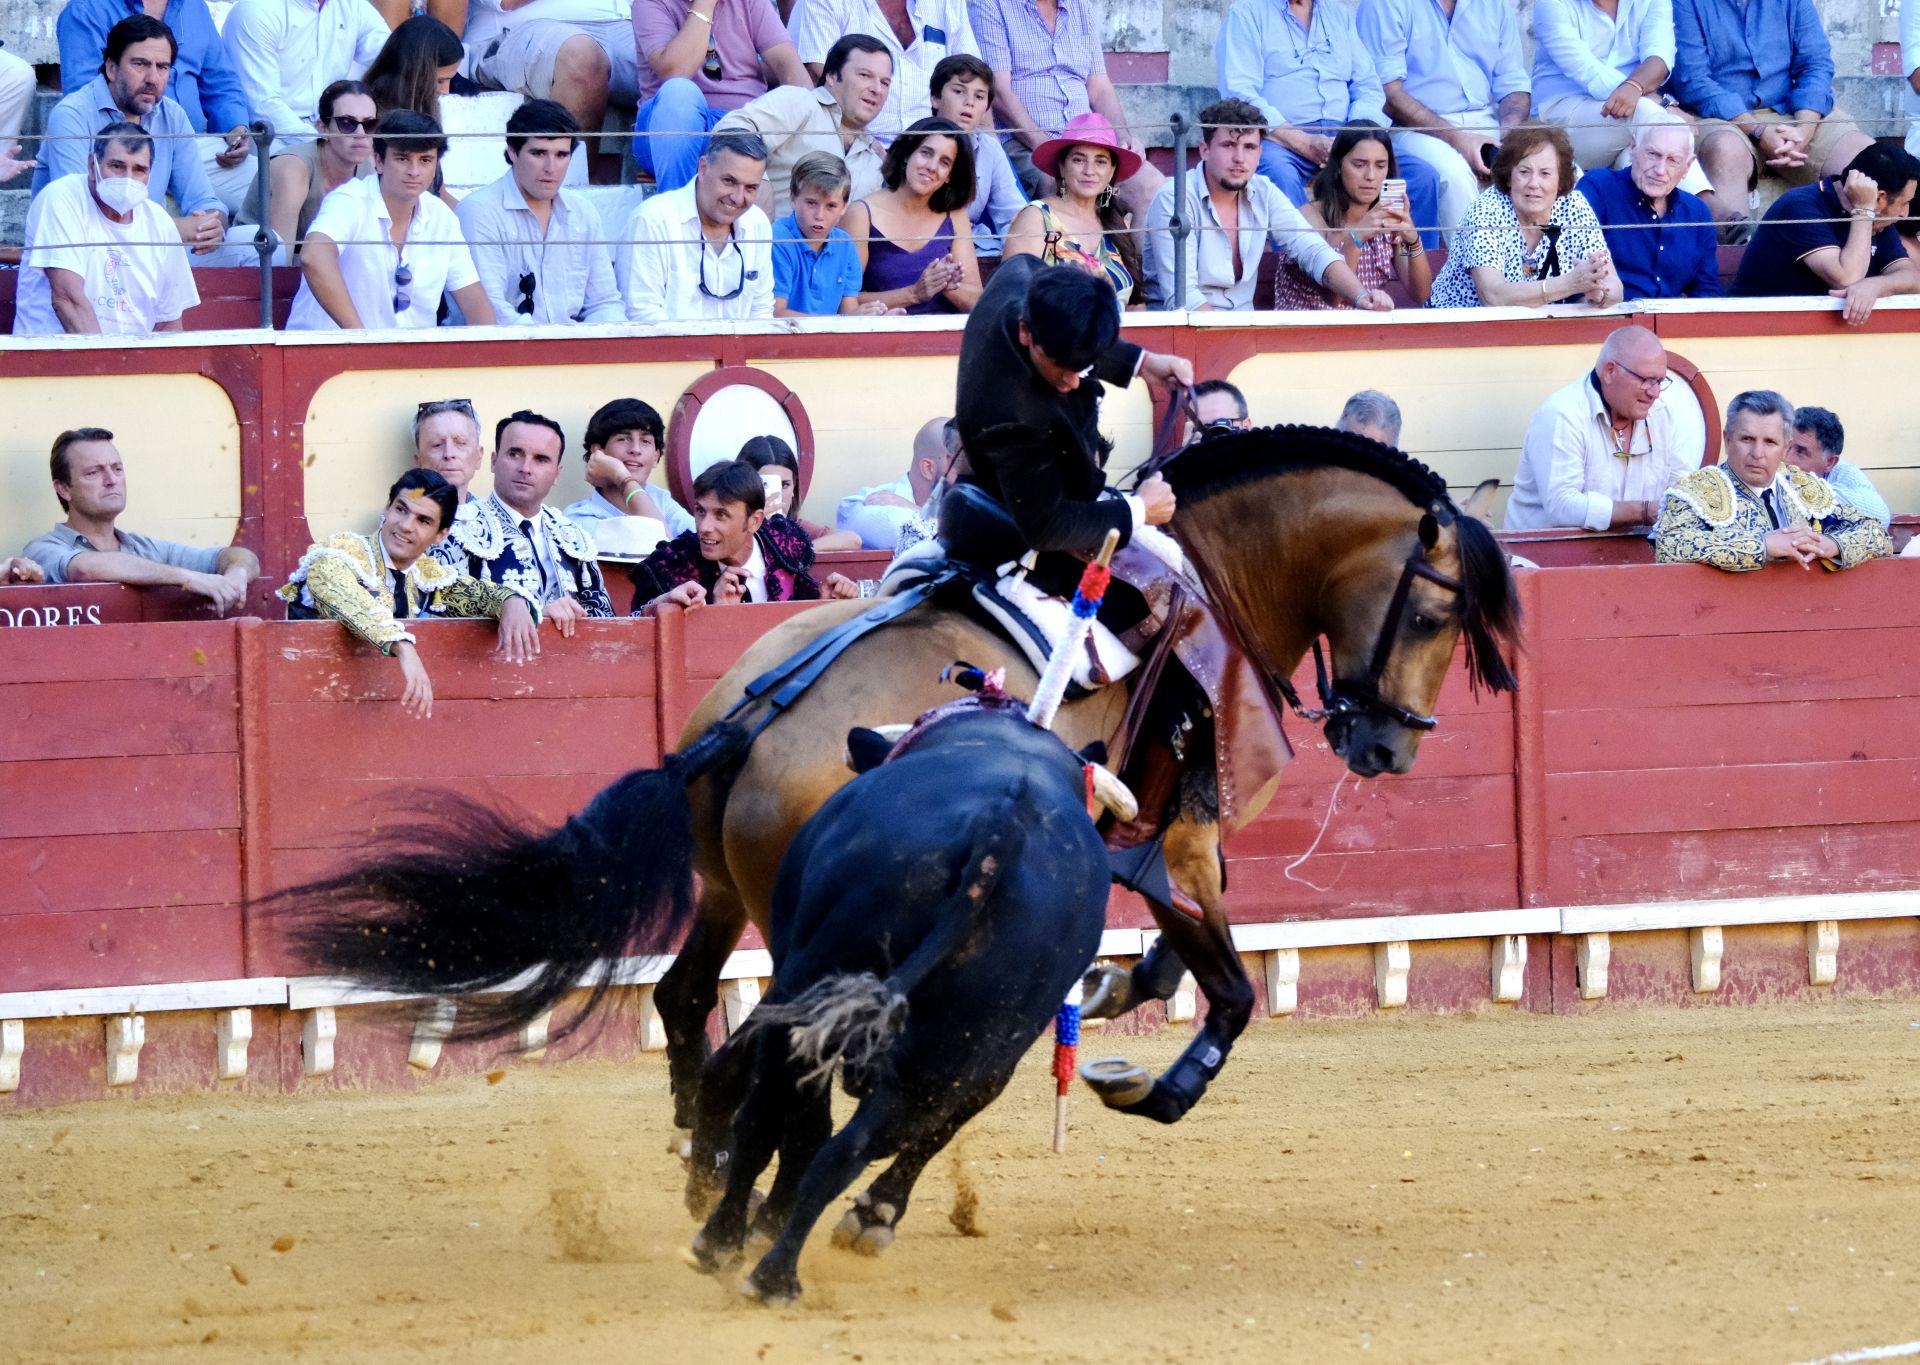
[1655, 1185]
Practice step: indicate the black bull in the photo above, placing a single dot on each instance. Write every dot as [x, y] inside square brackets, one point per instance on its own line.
[927, 922]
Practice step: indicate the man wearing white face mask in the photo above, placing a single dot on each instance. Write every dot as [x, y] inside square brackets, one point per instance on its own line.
[100, 256]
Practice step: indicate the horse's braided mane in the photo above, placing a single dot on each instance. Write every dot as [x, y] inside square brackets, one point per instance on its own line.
[1228, 459]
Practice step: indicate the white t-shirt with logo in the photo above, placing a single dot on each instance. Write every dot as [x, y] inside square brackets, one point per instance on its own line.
[136, 274]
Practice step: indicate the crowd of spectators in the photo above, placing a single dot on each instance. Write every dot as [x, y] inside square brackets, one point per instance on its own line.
[938, 134]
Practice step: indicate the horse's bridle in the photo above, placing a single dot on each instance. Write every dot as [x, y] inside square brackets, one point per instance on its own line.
[1338, 696]
[1352, 697]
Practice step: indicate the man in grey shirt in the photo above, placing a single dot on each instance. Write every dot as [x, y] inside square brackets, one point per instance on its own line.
[91, 484]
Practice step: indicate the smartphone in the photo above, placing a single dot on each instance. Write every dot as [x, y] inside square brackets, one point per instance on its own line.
[771, 483]
[1392, 190]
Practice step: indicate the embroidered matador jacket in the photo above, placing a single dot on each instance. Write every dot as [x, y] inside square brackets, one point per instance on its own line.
[350, 580]
[1711, 517]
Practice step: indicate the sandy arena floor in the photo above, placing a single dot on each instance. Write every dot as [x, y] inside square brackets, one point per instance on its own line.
[1699, 1185]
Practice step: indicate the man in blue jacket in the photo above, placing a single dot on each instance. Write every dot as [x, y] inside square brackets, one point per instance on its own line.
[1759, 76]
[204, 83]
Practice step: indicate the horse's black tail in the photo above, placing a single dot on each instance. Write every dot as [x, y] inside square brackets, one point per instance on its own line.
[467, 900]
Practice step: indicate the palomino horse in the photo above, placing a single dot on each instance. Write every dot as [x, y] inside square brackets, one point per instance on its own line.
[1296, 532]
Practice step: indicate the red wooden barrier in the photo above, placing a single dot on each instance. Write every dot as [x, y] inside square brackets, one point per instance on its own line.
[119, 806]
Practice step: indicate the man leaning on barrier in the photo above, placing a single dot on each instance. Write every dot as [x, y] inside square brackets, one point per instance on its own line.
[90, 547]
[374, 584]
[1752, 508]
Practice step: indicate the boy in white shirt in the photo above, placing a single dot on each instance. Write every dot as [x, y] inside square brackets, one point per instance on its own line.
[382, 249]
[101, 257]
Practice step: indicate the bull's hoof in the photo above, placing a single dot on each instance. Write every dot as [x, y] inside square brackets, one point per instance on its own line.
[703, 1194]
[771, 1286]
[1106, 991]
[867, 1228]
[1117, 1081]
[680, 1143]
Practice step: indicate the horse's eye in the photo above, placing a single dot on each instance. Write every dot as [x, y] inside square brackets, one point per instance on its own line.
[1425, 624]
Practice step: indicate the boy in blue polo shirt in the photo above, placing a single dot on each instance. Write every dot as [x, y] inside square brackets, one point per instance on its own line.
[816, 268]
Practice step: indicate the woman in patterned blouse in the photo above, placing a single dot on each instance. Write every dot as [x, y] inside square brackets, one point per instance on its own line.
[1371, 231]
[1529, 240]
[1082, 224]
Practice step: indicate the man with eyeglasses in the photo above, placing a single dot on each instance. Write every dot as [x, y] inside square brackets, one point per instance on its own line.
[1661, 237]
[382, 250]
[703, 252]
[1600, 452]
[540, 249]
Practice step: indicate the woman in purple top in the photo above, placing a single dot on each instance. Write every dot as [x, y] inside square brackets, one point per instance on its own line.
[913, 235]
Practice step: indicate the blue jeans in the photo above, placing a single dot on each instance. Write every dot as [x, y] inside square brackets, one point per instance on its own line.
[1290, 172]
[680, 115]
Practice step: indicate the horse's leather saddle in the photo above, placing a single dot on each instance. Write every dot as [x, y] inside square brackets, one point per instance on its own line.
[977, 532]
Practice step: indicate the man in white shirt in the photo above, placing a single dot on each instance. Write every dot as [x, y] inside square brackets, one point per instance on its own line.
[880, 513]
[703, 252]
[625, 439]
[1234, 214]
[793, 121]
[540, 250]
[1602, 452]
[288, 51]
[918, 34]
[577, 52]
[101, 257]
[361, 268]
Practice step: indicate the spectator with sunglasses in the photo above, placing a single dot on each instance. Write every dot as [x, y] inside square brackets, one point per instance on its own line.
[1602, 451]
[539, 248]
[700, 60]
[382, 250]
[309, 171]
[704, 251]
[1529, 240]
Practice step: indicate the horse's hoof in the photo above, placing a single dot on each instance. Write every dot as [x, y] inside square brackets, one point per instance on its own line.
[708, 1258]
[1106, 991]
[1117, 1081]
[680, 1144]
[771, 1287]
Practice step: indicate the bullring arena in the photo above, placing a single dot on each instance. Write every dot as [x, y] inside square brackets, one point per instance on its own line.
[1593, 1037]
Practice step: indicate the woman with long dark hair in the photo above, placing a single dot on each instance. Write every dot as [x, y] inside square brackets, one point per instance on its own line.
[1373, 230]
[416, 67]
[780, 474]
[1082, 224]
[913, 234]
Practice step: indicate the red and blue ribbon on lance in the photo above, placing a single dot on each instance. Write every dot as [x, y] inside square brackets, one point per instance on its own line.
[1047, 696]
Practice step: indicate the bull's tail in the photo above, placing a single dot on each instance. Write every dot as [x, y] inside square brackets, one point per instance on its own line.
[849, 1021]
[465, 900]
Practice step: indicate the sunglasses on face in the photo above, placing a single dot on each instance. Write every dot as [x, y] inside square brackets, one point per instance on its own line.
[402, 277]
[527, 283]
[347, 123]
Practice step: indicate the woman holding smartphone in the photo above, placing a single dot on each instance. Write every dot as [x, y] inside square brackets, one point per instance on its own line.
[780, 475]
[1360, 207]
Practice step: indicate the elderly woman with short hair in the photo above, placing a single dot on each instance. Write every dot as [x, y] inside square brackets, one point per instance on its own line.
[1528, 240]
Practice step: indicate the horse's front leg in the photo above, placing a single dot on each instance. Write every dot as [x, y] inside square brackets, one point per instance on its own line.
[1204, 942]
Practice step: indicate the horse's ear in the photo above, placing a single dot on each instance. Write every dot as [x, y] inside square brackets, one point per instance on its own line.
[1480, 502]
[1429, 530]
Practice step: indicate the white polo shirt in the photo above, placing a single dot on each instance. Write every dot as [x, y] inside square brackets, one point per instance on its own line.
[662, 264]
[1569, 472]
[355, 216]
[135, 274]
